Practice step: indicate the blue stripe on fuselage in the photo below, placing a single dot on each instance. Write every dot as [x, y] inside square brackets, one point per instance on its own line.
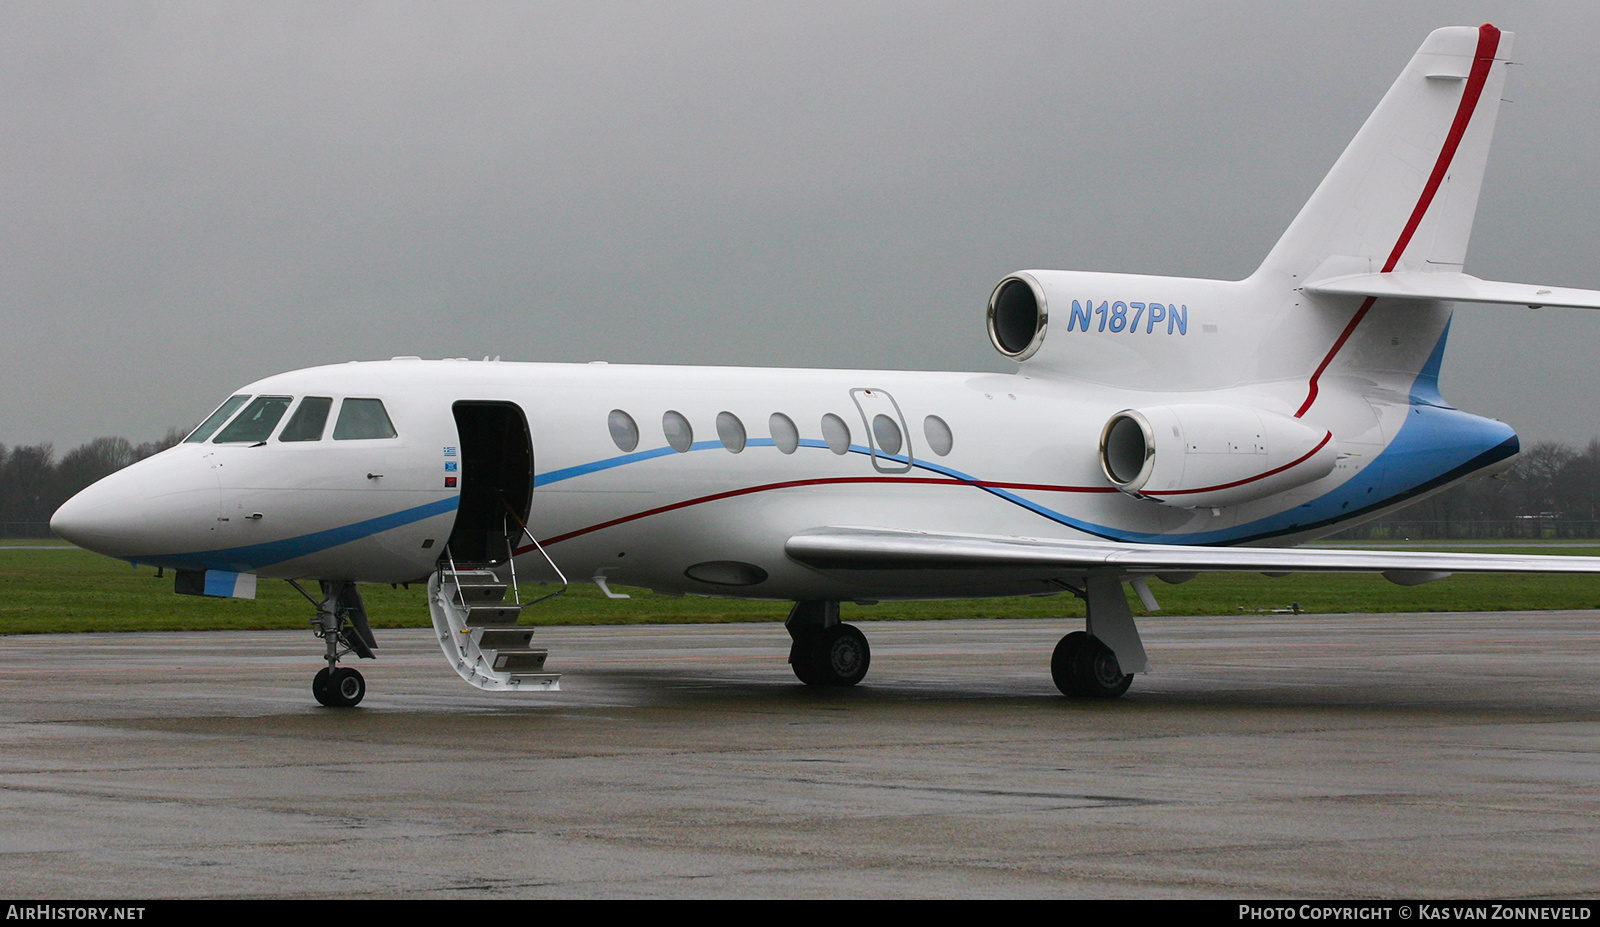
[252, 557]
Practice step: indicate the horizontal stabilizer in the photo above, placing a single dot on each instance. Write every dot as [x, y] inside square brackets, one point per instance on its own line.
[845, 548]
[1455, 287]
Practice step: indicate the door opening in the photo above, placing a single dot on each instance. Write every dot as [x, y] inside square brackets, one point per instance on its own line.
[496, 480]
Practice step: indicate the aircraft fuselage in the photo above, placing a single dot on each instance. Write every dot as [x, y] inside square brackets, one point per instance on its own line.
[768, 453]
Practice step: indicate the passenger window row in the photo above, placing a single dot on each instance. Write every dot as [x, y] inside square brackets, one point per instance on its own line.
[731, 432]
[359, 419]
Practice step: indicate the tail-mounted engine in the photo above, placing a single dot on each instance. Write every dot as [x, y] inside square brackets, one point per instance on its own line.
[1017, 316]
[1198, 456]
[1129, 330]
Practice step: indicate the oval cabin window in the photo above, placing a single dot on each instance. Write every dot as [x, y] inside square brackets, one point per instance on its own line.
[730, 431]
[785, 436]
[887, 433]
[836, 433]
[624, 430]
[679, 435]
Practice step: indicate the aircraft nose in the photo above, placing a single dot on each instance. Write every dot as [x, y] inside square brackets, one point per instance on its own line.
[102, 518]
[155, 506]
[75, 521]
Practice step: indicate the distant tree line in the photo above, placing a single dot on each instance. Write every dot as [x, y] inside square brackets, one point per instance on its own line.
[33, 484]
[1553, 491]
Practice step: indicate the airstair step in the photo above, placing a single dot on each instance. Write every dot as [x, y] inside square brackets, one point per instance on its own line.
[480, 616]
[476, 587]
[505, 638]
[480, 595]
[520, 662]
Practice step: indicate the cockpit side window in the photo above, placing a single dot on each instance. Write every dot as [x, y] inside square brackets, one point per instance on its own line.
[361, 419]
[257, 420]
[308, 420]
[209, 426]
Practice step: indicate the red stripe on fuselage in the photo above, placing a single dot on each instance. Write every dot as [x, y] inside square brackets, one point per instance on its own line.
[1482, 61]
[834, 481]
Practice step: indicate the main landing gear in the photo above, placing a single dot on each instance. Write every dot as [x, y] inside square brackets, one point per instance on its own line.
[826, 652]
[1086, 664]
[341, 622]
[1084, 667]
[1098, 662]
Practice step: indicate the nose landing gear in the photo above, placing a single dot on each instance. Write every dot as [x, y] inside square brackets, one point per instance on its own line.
[341, 622]
[341, 688]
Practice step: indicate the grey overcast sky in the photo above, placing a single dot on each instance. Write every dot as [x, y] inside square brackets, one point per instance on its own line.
[195, 195]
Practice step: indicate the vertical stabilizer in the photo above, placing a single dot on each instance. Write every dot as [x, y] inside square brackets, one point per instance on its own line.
[1403, 194]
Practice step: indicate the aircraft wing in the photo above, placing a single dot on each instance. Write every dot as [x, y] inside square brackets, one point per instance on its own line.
[865, 548]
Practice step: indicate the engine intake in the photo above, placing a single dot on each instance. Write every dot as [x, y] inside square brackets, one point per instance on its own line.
[1018, 313]
[1198, 456]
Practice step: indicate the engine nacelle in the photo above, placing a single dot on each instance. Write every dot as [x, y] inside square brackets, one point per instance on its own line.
[1128, 330]
[1018, 316]
[1199, 456]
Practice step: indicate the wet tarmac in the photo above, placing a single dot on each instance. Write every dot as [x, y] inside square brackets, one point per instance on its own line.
[1399, 756]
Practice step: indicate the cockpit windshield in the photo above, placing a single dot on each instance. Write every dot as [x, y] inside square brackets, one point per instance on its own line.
[359, 419]
[257, 420]
[210, 425]
[362, 418]
[307, 422]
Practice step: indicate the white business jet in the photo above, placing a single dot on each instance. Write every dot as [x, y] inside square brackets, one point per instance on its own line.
[1155, 427]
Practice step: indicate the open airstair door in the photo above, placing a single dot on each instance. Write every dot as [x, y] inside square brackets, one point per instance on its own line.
[496, 480]
[476, 624]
